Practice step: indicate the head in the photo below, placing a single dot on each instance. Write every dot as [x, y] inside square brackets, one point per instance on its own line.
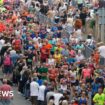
[45, 83]
[83, 94]
[51, 102]
[100, 90]
[50, 56]
[5, 81]
[57, 52]
[64, 102]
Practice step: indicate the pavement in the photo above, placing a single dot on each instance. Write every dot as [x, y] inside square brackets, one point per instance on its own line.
[18, 99]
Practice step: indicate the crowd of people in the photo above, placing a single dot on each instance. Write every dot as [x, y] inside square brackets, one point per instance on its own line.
[47, 65]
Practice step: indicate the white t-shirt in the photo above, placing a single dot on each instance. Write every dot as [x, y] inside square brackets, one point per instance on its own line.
[64, 87]
[41, 93]
[12, 52]
[51, 61]
[40, 45]
[89, 41]
[17, 32]
[101, 49]
[36, 39]
[34, 88]
[49, 94]
[79, 34]
[57, 97]
[79, 58]
[1, 43]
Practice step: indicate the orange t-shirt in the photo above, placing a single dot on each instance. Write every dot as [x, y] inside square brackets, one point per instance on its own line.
[48, 47]
[25, 13]
[96, 57]
[14, 18]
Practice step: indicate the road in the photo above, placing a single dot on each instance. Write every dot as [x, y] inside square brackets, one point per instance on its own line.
[18, 98]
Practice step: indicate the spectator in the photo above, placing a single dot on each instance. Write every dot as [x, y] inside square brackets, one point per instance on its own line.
[34, 89]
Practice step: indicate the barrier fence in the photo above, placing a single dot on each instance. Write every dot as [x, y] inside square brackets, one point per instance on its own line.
[87, 51]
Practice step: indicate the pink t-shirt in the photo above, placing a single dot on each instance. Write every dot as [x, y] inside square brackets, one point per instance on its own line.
[86, 73]
[72, 53]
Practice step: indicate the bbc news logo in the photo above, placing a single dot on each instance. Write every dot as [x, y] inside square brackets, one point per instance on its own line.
[6, 94]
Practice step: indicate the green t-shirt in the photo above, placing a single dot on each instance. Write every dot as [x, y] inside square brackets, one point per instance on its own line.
[99, 99]
[43, 70]
[2, 9]
[53, 49]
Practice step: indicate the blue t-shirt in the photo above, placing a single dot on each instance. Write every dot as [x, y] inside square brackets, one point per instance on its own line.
[40, 82]
[24, 37]
[54, 28]
[32, 35]
[30, 47]
[71, 60]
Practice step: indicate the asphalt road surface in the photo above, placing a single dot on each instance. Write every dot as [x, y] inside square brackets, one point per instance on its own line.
[18, 99]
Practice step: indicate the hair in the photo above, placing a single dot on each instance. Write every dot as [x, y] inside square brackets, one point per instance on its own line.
[45, 83]
[64, 102]
[78, 24]
[51, 98]
[51, 102]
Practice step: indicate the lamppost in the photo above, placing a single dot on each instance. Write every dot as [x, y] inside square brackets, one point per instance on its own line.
[101, 21]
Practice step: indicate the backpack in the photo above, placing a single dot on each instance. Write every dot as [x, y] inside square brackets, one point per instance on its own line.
[7, 61]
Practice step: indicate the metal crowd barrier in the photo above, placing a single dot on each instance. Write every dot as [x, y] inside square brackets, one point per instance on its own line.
[87, 51]
[44, 19]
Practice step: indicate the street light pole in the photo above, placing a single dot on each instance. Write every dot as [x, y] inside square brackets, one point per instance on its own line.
[102, 19]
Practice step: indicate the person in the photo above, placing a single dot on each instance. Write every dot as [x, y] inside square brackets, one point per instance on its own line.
[41, 94]
[86, 73]
[83, 99]
[96, 57]
[6, 99]
[90, 42]
[80, 4]
[7, 65]
[79, 56]
[34, 89]
[99, 98]
[101, 49]
[51, 61]
[49, 94]
[57, 95]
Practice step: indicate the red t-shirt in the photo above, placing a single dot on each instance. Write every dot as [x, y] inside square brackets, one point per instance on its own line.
[5, 89]
[44, 54]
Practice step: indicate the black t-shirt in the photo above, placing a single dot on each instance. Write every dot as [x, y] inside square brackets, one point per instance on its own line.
[60, 28]
[75, 83]
[29, 57]
[44, 9]
[83, 17]
[41, 1]
[60, 76]
[3, 50]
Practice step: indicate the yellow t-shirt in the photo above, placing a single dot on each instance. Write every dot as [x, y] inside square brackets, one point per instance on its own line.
[58, 57]
[99, 99]
[1, 2]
